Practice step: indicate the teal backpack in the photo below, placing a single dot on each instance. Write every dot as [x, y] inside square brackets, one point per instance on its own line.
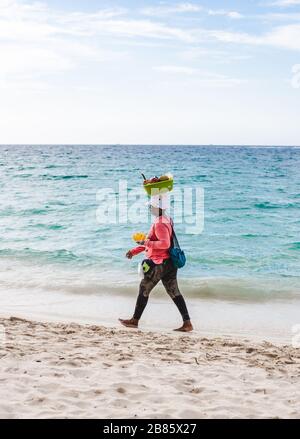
[177, 255]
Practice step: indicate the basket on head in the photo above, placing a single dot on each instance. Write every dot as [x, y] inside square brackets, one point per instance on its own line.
[159, 186]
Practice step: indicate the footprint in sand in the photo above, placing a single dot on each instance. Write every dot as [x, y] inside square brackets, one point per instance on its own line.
[121, 390]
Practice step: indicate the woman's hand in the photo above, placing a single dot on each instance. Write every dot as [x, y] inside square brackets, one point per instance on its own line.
[129, 255]
[141, 242]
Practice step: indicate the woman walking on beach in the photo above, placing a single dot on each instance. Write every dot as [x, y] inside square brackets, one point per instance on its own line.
[158, 267]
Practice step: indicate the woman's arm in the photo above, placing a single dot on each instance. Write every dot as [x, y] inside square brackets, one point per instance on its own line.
[137, 250]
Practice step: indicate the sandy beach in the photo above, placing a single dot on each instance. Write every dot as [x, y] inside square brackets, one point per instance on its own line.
[149, 169]
[56, 370]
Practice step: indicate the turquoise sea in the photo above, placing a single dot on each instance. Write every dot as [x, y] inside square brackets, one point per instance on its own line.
[57, 260]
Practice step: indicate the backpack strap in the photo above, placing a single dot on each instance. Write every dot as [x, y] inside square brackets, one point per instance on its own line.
[174, 240]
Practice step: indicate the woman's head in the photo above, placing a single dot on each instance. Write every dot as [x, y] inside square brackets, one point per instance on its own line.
[158, 204]
[156, 211]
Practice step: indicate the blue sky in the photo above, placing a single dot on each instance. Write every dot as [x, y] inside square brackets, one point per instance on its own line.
[190, 72]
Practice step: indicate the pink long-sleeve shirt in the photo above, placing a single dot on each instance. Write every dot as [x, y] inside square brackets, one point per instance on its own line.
[159, 241]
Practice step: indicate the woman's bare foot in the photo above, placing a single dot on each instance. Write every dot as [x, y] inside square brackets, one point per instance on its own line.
[186, 327]
[131, 323]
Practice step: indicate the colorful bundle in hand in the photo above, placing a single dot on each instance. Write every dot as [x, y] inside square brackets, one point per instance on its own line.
[139, 237]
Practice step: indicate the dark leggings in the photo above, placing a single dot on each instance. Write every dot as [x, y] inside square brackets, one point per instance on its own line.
[167, 273]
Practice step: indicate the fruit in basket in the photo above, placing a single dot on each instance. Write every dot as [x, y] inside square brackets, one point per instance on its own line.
[156, 179]
[152, 180]
[156, 185]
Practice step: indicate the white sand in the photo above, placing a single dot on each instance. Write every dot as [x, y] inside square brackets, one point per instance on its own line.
[70, 371]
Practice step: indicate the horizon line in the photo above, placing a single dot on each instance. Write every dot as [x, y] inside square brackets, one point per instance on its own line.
[153, 144]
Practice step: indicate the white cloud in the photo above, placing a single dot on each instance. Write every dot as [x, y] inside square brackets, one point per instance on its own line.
[198, 77]
[16, 9]
[231, 14]
[38, 40]
[187, 8]
[176, 70]
[234, 15]
[31, 59]
[137, 28]
[40, 26]
[40, 22]
[220, 56]
[285, 3]
[189, 71]
[171, 9]
[280, 16]
[59, 54]
[287, 37]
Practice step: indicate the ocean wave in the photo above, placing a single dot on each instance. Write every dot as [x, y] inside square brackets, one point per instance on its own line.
[48, 226]
[63, 177]
[61, 255]
[235, 290]
[212, 289]
[255, 235]
[10, 211]
[295, 246]
[221, 260]
[24, 175]
[256, 290]
[269, 205]
[53, 166]
[103, 281]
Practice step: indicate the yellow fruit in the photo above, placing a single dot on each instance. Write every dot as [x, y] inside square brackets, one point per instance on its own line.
[138, 237]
